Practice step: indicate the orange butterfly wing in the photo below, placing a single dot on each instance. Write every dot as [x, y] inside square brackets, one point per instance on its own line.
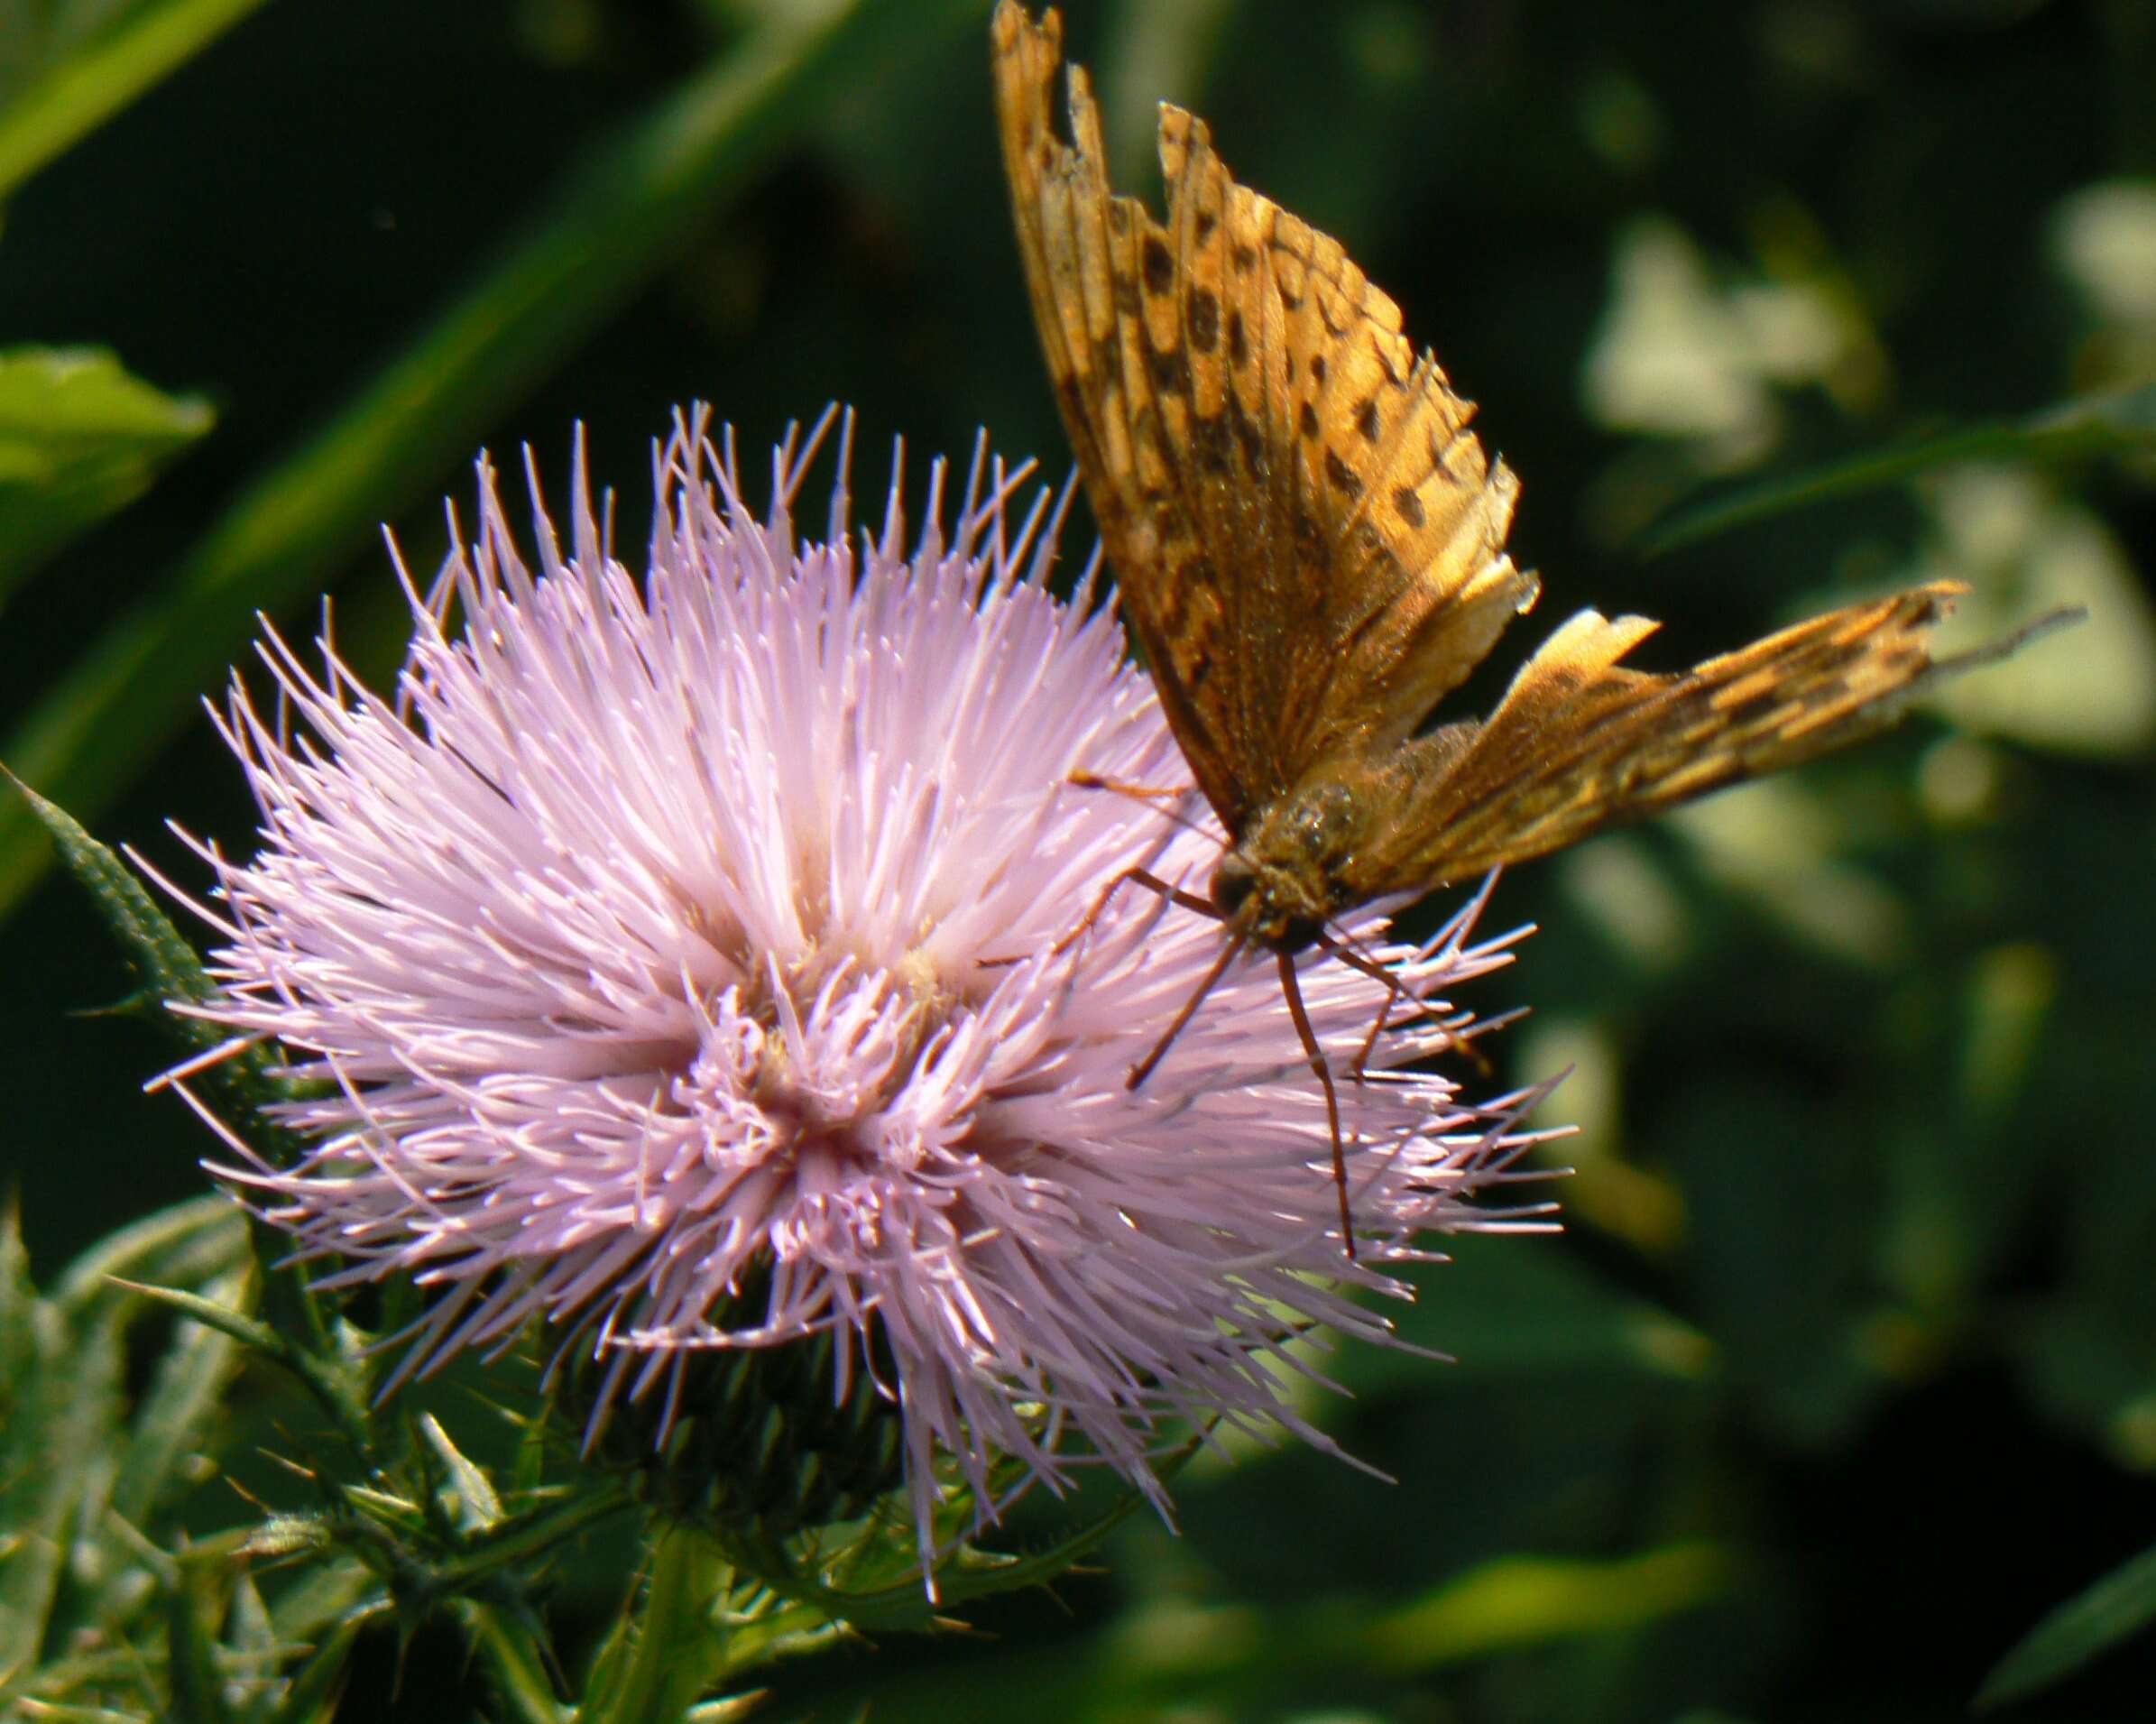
[1579, 742]
[1307, 538]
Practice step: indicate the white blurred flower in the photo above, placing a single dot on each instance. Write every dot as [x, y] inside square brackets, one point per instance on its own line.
[678, 960]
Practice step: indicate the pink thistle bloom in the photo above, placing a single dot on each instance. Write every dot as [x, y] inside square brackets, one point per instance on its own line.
[674, 936]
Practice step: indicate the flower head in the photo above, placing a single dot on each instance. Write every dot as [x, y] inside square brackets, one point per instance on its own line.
[701, 962]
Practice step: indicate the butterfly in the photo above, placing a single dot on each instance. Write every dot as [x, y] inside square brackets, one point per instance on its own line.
[1309, 542]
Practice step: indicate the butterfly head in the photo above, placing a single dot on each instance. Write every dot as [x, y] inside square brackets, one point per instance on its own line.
[1292, 872]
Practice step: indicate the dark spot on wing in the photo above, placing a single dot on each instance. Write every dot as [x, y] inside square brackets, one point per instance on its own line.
[1410, 506]
[1158, 266]
[1247, 434]
[1205, 321]
[1754, 707]
[1341, 476]
[1366, 421]
[1308, 421]
[1210, 443]
[1239, 345]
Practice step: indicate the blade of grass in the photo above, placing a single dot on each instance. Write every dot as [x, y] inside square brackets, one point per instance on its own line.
[607, 230]
[57, 1435]
[2118, 1607]
[2124, 422]
[75, 94]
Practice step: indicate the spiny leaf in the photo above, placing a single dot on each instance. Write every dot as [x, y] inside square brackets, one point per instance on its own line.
[167, 967]
[318, 1683]
[18, 1305]
[669, 1648]
[478, 1508]
[191, 1658]
[332, 1394]
[174, 1415]
[873, 1580]
[189, 1242]
[514, 1652]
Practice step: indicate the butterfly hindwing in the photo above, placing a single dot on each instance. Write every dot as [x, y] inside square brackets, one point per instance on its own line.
[1580, 742]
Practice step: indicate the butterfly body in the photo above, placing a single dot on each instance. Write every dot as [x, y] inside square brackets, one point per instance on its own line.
[1298, 865]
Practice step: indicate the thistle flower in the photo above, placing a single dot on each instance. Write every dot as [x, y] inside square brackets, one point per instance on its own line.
[695, 965]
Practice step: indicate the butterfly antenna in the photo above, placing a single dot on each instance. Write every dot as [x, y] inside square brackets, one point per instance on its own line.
[1155, 798]
[1144, 1069]
[1318, 1064]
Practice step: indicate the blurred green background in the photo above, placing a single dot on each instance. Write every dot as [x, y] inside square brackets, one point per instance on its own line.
[1844, 1371]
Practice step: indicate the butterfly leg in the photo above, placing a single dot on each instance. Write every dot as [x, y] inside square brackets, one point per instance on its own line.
[1144, 1069]
[1395, 991]
[1144, 877]
[1152, 883]
[1318, 1064]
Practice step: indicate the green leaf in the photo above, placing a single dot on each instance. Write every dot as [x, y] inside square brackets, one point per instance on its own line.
[64, 1444]
[251, 1650]
[1527, 1600]
[515, 1656]
[18, 1308]
[79, 439]
[625, 212]
[77, 85]
[191, 1655]
[667, 1649]
[319, 1682]
[52, 1445]
[166, 965]
[477, 1508]
[177, 1412]
[185, 1245]
[2117, 1608]
[320, 1378]
[869, 1577]
[2118, 423]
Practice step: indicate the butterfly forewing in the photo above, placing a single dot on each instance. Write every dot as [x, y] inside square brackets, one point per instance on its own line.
[1308, 540]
